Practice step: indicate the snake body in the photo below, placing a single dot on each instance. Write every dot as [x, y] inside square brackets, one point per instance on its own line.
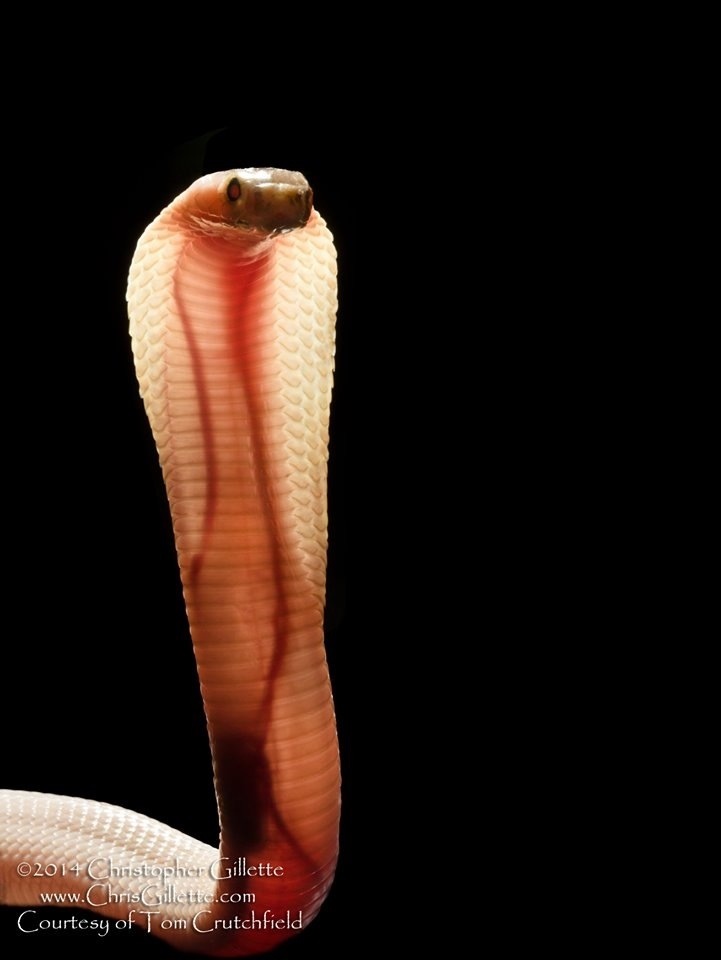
[232, 300]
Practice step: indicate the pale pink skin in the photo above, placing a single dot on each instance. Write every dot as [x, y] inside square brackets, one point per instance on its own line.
[233, 342]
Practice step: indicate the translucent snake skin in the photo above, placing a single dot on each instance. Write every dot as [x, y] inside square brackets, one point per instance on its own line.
[232, 301]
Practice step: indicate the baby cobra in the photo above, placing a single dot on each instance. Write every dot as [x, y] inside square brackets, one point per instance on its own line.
[232, 301]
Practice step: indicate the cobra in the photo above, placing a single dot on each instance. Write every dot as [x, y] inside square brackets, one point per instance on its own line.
[232, 302]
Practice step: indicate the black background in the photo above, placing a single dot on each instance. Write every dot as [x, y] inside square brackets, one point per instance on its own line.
[100, 699]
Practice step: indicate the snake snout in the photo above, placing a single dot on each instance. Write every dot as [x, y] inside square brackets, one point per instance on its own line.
[278, 208]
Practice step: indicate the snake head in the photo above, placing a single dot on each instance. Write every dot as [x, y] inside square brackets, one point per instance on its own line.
[257, 201]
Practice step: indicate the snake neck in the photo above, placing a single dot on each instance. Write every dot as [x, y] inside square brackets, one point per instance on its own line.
[254, 612]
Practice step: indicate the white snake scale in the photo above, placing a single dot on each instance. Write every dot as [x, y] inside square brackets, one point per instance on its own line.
[233, 339]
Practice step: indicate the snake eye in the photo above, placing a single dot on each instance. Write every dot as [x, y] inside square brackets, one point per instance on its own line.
[233, 190]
